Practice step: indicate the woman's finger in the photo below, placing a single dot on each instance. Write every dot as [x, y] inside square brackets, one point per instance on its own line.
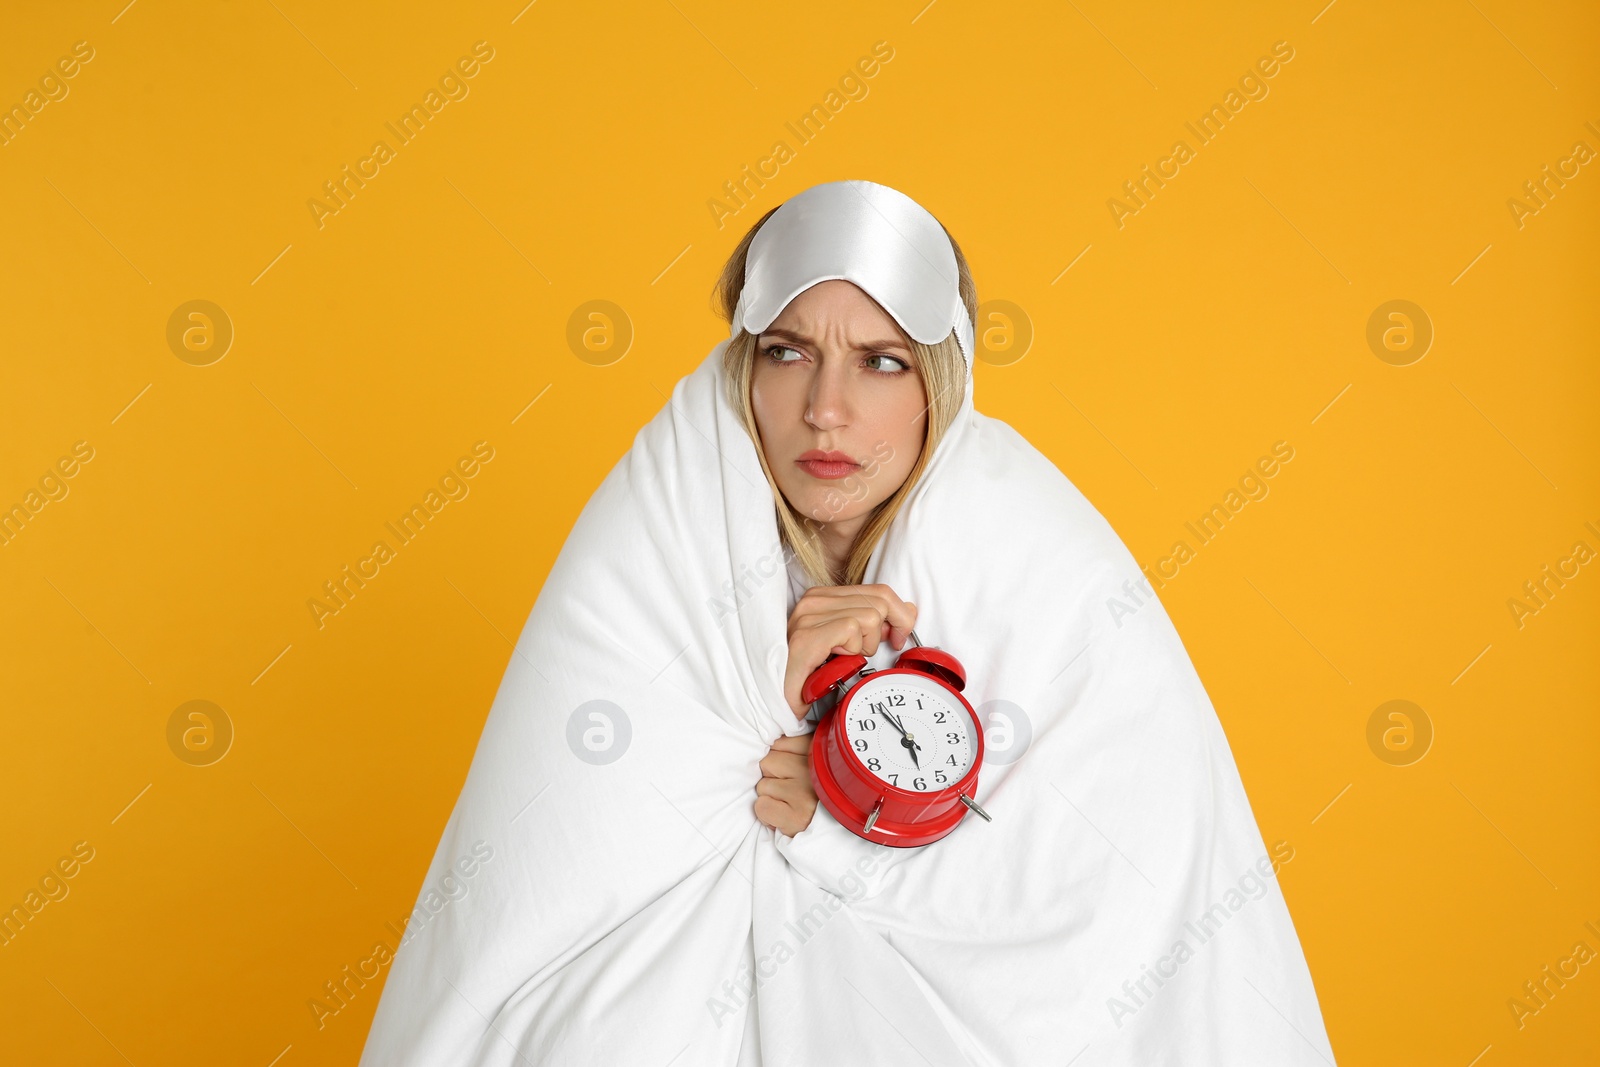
[896, 617]
[811, 646]
[785, 765]
[841, 620]
[856, 630]
[900, 614]
[793, 743]
[798, 807]
[785, 789]
[773, 813]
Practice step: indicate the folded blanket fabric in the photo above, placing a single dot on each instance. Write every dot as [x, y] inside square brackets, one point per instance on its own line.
[1120, 909]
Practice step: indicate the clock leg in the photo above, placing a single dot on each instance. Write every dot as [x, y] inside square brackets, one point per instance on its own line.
[973, 804]
[873, 818]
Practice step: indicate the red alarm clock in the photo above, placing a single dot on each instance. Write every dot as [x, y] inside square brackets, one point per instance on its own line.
[896, 760]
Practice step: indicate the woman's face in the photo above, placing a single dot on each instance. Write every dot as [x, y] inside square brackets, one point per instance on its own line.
[834, 374]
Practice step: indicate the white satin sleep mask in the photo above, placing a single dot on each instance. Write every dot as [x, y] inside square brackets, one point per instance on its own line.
[869, 234]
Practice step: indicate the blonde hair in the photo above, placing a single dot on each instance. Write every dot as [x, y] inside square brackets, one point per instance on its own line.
[943, 372]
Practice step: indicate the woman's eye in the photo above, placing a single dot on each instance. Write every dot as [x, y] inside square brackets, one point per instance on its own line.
[772, 351]
[895, 366]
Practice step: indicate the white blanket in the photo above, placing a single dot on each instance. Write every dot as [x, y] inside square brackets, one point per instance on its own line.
[1120, 909]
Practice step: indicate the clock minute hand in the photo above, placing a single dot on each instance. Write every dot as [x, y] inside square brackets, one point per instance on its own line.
[905, 739]
[892, 721]
[909, 740]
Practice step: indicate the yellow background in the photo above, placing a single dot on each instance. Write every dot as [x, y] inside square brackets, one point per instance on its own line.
[430, 311]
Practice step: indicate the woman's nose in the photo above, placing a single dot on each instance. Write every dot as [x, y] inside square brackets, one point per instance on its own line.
[828, 408]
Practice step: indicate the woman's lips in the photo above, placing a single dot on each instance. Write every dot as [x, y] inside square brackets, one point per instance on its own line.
[830, 469]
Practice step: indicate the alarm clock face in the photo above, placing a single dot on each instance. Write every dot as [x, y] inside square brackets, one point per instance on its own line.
[910, 732]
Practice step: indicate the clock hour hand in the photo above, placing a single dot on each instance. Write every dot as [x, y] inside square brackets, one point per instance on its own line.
[907, 739]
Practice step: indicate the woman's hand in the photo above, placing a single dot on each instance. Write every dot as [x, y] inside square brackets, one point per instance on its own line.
[785, 800]
[841, 619]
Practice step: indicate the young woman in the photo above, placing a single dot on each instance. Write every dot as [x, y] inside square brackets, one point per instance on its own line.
[607, 890]
[837, 396]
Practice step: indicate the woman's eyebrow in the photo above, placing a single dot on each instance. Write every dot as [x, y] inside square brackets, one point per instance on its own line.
[863, 346]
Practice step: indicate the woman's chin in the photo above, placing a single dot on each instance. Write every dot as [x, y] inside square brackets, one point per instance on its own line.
[824, 502]
[825, 510]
